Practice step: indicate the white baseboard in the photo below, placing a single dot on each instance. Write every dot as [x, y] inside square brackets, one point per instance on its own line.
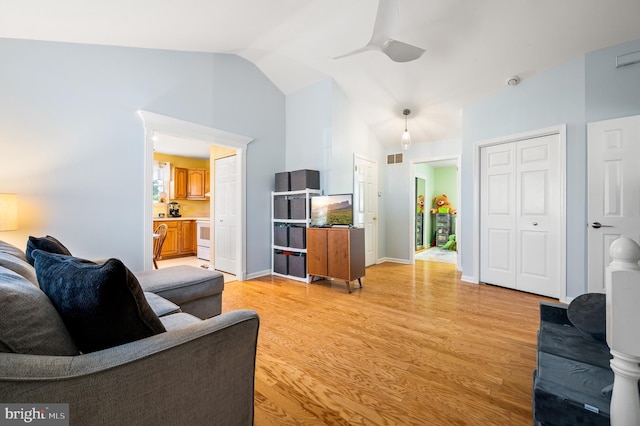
[393, 260]
[259, 274]
[468, 279]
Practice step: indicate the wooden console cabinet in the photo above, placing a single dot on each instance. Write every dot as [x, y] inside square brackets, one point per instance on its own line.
[336, 253]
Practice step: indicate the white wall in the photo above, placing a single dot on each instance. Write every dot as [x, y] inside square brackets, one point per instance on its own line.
[72, 143]
[309, 126]
[324, 132]
[399, 200]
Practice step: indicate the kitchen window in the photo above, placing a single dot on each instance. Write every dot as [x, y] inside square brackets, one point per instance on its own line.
[161, 181]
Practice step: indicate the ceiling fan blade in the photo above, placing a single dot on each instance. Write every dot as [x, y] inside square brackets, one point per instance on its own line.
[399, 51]
[386, 21]
[355, 52]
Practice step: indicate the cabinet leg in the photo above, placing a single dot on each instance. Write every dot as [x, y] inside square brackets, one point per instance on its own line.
[348, 287]
[360, 281]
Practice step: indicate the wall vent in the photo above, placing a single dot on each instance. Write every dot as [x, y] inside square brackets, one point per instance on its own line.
[395, 158]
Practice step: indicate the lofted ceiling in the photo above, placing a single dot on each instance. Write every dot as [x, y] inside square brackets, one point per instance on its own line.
[472, 46]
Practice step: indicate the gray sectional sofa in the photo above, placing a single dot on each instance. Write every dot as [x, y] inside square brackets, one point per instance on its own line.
[147, 348]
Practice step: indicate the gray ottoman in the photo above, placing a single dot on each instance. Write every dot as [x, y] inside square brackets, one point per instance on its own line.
[197, 291]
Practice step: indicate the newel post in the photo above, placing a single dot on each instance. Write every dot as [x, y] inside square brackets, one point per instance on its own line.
[622, 284]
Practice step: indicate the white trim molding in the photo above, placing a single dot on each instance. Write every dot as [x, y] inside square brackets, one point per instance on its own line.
[152, 123]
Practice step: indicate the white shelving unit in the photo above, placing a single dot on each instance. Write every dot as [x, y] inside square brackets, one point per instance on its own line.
[305, 195]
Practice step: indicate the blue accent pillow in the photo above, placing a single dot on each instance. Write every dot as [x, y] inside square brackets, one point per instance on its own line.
[48, 244]
[102, 305]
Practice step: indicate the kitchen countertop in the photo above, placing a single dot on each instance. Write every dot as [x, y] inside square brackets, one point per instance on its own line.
[168, 218]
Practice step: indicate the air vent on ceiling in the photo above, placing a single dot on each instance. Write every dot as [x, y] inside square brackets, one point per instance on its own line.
[395, 158]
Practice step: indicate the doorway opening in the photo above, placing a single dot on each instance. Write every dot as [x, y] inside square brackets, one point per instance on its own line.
[214, 139]
[435, 226]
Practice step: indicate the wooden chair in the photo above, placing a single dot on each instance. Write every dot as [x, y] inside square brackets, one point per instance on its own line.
[158, 240]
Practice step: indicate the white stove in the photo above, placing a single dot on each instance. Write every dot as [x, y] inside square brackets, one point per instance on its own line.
[203, 232]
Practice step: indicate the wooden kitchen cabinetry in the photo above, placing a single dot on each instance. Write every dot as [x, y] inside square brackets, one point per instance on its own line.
[336, 253]
[180, 178]
[180, 240]
[196, 184]
[189, 184]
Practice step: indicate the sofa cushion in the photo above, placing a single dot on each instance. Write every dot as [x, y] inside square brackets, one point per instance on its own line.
[12, 250]
[29, 324]
[19, 266]
[179, 320]
[48, 244]
[102, 304]
[181, 283]
[160, 305]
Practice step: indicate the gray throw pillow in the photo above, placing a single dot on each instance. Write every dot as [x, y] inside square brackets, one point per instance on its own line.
[102, 304]
[29, 324]
[12, 250]
[19, 266]
[48, 244]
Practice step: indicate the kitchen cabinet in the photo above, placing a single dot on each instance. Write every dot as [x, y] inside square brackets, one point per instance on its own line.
[180, 240]
[189, 184]
[196, 184]
[188, 237]
[336, 253]
[179, 187]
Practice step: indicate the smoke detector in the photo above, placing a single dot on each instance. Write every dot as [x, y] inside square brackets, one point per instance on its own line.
[513, 81]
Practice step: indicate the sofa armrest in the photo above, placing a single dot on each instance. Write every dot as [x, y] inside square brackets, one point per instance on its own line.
[200, 374]
[554, 312]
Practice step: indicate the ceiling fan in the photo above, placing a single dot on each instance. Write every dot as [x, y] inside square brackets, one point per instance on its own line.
[386, 23]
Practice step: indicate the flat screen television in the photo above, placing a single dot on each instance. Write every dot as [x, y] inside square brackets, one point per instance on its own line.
[332, 210]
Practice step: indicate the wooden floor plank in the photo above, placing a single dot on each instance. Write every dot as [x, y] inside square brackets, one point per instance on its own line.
[414, 346]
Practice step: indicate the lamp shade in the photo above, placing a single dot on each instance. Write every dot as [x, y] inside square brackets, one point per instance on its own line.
[8, 212]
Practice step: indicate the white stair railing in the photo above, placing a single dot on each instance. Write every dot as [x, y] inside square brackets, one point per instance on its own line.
[622, 284]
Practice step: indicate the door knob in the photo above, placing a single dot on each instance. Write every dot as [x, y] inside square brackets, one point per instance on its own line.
[597, 225]
[535, 223]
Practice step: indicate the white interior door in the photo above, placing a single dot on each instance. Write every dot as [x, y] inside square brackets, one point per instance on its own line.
[366, 205]
[614, 190]
[520, 218]
[498, 215]
[226, 216]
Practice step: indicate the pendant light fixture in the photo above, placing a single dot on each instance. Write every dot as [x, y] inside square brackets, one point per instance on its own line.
[405, 141]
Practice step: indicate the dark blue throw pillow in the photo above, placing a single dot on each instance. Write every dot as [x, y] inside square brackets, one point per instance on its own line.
[102, 305]
[48, 244]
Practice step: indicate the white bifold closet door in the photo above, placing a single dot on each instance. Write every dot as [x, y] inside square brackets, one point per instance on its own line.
[520, 215]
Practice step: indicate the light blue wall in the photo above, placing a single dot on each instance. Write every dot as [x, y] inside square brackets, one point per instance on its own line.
[612, 92]
[309, 129]
[584, 89]
[325, 132]
[72, 143]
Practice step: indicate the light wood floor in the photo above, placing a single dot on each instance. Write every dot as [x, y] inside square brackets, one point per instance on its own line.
[415, 346]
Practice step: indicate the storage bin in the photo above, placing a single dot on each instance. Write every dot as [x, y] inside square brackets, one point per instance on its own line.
[297, 237]
[280, 208]
[280, 264]
[297, 208]
[298, 265]
[282, 182]
[303, 179]
[281, 235]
